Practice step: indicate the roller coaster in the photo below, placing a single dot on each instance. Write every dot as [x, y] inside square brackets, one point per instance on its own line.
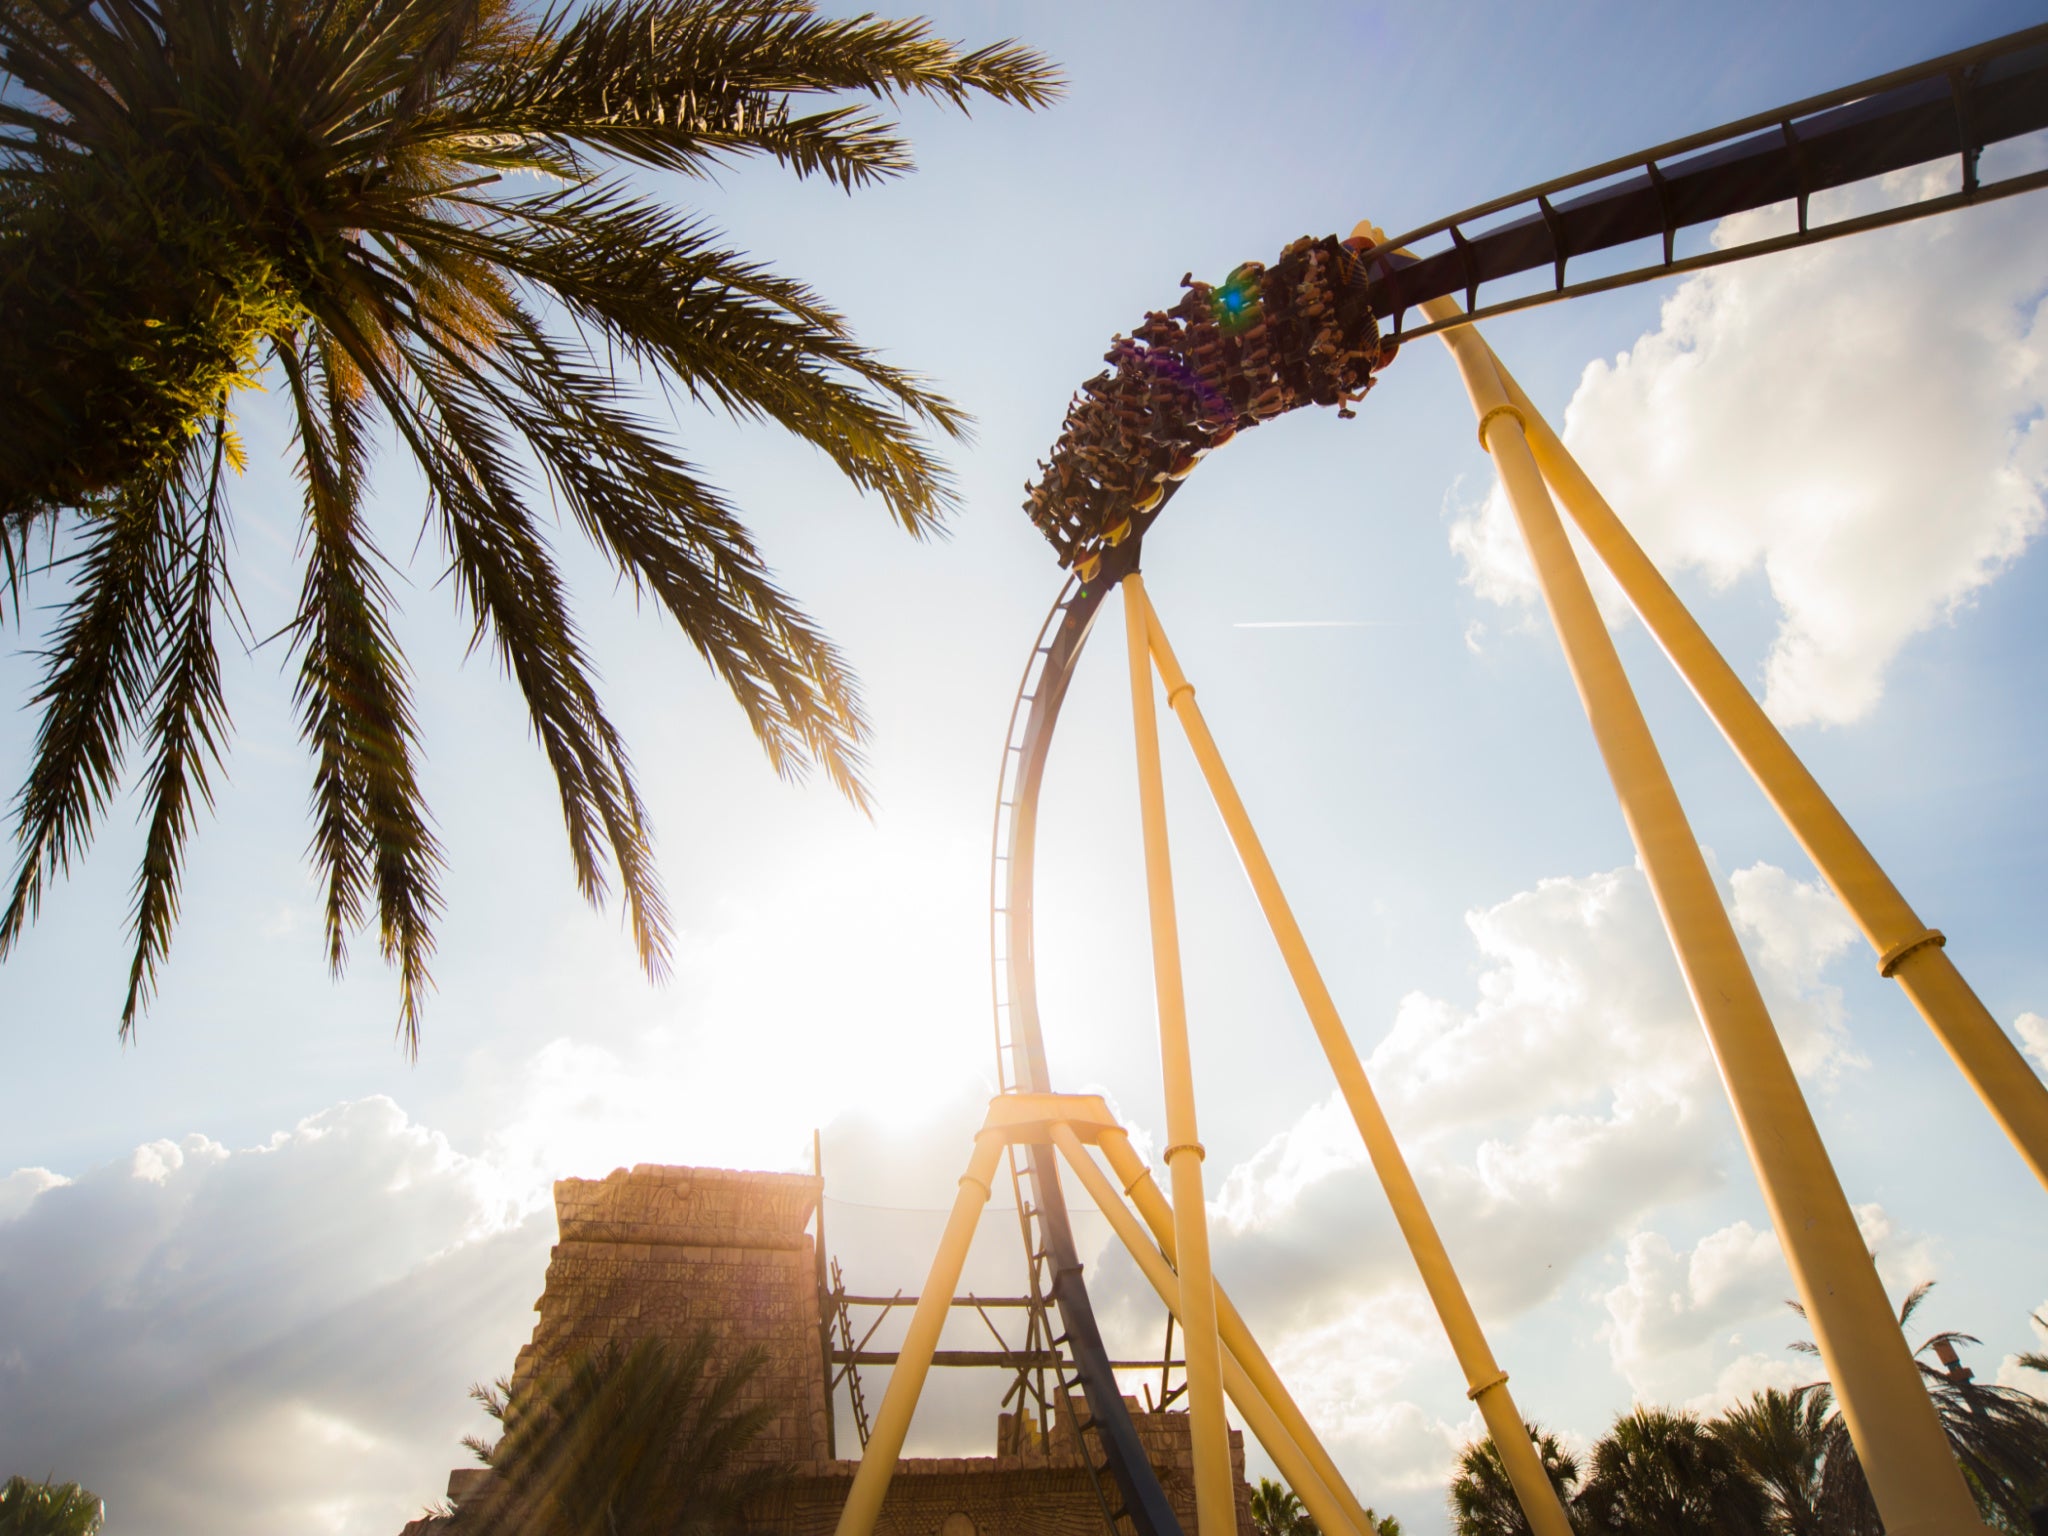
[1320, 324]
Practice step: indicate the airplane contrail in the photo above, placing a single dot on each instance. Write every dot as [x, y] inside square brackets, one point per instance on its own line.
[1321, 624]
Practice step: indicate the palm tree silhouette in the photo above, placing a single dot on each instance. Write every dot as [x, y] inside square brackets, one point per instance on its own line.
[413, 216]
[1999, 1436]
[1664, 1473]
[1482, 1499]
[48, 1509]
[640, 1440]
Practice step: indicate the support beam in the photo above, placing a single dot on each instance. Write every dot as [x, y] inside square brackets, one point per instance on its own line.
[1333, 1517]
[1913, 1475]
[1215, 1492]
[1485, 1381]
[1908, 950]
[899, 1401]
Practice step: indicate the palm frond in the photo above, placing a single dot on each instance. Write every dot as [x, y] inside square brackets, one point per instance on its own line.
[188, 729]
[96, 678]
[683, 86]
[371, 832]
[513, 595]
[183, 186]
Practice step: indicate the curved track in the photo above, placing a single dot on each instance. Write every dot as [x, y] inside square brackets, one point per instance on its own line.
[1176, 390]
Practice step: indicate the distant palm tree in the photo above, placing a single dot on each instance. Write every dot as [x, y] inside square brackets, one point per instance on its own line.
[1999, 1436]
[1482, 1498]
[1662, 1473]
[48, 1509]
[410, 217]
[640, 1440]
[1782, 1439]
[1277, 1512]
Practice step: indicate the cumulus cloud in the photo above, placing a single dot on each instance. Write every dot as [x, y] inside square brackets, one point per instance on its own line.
[281, 1336]
[1680, 1317]
[274, 1338]
[1547, 1118]
[2033, 1032]
[1860, 423]
[1673, 1305]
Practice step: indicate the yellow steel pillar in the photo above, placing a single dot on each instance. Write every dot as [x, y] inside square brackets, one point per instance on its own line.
[1333, 1517]
[1236, 1337]
[1215, 1489]
[914, 1360]
[1485, 1381]
[1913, 1475]
[1907, 949]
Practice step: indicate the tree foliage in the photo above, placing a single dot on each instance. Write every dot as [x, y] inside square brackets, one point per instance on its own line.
[639, 1440]
[1482, 1498]
[414, 219]
[48, 1509]
[1779, 1464]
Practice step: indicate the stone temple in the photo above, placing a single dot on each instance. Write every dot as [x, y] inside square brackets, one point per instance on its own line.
[670, 1251]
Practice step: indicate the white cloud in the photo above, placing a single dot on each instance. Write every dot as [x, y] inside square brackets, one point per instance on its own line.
[1860, 423]
[2028, 1379]
[1546, 1120]
[1673, 1308]
[2033, 1032]
[280, 1337]
[22, 1186]
[275, 1338]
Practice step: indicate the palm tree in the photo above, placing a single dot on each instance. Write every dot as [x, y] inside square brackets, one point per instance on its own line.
[1276, 1511]
[48, 1509]
[1999, 1436]
[413, 218]
[1660, 1473]
[1782, 1440]
[646, 1440]
[1482, 1499]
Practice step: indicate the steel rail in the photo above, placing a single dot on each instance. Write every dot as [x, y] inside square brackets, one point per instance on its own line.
[1020, 1042]
[1956, 105]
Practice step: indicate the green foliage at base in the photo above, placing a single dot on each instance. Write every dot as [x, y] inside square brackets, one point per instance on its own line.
[48, 1509]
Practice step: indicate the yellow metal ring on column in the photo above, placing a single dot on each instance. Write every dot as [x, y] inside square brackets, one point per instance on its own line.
[1892, 958]
[1487, 1386]
[968, 1178]
[1173, 694]
[1201, 1155]
[1513, 413]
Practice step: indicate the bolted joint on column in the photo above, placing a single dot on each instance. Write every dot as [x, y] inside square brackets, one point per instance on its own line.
[1201, 1153]
[968, 1180]
[1500, 1379]
[1897, 955]
[1513, 413]
[1174, 695]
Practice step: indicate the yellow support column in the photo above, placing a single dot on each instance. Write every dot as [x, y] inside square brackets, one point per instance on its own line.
[1907, 949]
[914, 1360]
[1913, 1475]
[1215, 1488]
[1486, 1383]
[1236, 1336]
[1332, 1516]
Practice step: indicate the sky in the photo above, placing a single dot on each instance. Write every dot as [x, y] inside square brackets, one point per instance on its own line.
[251, 1262]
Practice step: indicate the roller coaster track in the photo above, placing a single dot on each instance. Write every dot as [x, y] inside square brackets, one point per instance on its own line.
[1954, 106]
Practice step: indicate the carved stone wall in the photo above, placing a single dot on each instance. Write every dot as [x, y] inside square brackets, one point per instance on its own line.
[669, 1251]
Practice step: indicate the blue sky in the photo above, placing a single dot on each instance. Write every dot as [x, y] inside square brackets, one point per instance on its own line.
[275, 1217]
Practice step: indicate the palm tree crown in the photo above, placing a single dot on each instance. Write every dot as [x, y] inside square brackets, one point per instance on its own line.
[646, 1439]
[48, 1509]
[1482, 1498]
[414, 215]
